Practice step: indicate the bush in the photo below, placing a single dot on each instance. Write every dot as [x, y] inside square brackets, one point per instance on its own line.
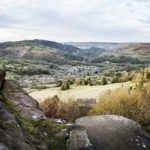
[115, 79]
[147, 73]
[85, 82]
[65, 85]
[133, 104]
[50, 106]
[143, 75]
[71, 110]
[59, 83]
[104, 81]
[75, 109]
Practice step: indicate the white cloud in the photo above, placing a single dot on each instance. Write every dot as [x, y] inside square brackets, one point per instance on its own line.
[75, 20]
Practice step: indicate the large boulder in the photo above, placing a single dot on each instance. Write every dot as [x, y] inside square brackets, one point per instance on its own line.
[2, 77]
[23, 102]
[110, 132]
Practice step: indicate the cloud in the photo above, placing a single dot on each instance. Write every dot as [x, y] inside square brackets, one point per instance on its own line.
[141, 1]
[129, 4]
[146, 20]
[69, 20]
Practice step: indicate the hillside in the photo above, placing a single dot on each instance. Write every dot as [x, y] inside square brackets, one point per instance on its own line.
[40, 50]
[81, 52]
[27, 60]
[102, 45]
[141, 48]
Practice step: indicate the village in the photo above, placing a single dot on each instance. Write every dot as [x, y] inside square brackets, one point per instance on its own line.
[63, 72]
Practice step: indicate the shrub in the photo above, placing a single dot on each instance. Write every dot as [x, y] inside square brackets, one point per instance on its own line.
[65, 85]
[143, 75]
[140, 84]
[133, 104]
[75, 109]
[85, 82]
[59, 83]
[71, 110]
[147, 73]
[50, 106]
[115, 79]
[104, 81]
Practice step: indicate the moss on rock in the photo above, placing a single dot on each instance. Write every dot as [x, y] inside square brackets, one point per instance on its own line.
[39, 134]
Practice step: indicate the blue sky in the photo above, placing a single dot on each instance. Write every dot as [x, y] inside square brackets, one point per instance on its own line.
[75, 20]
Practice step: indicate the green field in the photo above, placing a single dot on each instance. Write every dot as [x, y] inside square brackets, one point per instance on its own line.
[94, 92]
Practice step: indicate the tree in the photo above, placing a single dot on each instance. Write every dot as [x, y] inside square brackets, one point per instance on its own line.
[115, 79]
[104, 81]
[85, 82]
[89, 81]
[65, 85]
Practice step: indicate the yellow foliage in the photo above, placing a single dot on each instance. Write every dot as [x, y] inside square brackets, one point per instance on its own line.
[133, 104]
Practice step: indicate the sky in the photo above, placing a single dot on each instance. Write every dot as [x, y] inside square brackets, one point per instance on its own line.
[75, 20]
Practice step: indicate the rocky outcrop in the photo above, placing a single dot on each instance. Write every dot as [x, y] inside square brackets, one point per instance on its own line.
[14, 128]
[109, 132]
[11, 134]
[24, 103]
[23, 125]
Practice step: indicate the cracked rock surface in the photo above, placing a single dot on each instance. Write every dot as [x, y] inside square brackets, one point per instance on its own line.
[24, 103]
[110, 132]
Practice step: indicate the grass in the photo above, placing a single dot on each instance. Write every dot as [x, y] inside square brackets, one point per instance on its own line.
[75, 92]
[6, 125]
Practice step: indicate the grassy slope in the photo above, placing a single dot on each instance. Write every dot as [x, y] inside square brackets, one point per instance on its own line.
[77, 92]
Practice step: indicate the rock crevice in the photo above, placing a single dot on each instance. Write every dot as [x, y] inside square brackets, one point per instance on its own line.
[2, 78]
[78, 138]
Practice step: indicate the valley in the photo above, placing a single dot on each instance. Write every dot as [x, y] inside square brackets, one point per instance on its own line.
[74, 75]
[36, 63]
[50, 87]
[41, 67]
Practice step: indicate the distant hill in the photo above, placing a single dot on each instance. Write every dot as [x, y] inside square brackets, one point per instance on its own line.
[101, 45]
[44, 43]
[55, 52]
[48, 50]
[139, 48]
[39, 49]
